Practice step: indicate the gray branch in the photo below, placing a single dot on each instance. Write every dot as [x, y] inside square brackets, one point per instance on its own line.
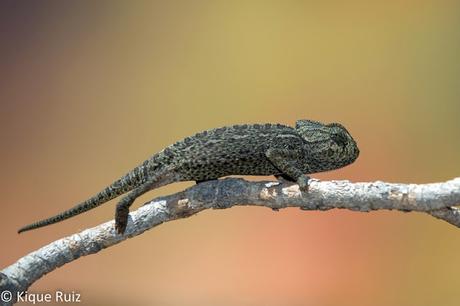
[436, 199]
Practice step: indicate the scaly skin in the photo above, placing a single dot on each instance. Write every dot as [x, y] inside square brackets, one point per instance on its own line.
[249, 149]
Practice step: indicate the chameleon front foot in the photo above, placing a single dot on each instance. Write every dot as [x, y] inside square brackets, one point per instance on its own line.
[121, 219]
[302, 181]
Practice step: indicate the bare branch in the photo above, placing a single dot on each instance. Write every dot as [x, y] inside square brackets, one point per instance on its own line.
[436, 199]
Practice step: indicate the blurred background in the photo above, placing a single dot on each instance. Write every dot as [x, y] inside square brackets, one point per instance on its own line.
[90, 89]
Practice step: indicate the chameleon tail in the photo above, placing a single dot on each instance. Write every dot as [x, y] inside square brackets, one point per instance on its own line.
[119, 187]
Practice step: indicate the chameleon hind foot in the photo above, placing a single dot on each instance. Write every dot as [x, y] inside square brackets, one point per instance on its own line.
[121, 218]
[122, 212]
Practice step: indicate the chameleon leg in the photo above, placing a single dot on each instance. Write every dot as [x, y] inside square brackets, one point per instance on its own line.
[122, 211]
[285, 161]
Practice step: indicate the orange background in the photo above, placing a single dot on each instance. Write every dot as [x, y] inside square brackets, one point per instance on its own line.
[90, 89]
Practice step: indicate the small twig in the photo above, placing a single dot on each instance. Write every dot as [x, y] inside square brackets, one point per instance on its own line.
[436, 199]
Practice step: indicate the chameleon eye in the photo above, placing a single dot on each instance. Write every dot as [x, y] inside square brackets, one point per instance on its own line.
[339, 139]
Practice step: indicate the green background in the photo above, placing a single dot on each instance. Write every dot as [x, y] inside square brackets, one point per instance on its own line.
[90, 89]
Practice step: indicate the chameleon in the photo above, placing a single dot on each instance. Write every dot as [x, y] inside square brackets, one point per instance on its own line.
[289, 153]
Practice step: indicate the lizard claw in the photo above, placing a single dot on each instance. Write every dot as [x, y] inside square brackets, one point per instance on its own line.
[303, 183]
[121, 219]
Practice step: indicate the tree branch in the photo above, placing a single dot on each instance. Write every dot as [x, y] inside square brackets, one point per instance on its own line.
[436, 199]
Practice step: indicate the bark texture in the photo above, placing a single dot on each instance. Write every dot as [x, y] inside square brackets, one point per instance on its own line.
[436, 199]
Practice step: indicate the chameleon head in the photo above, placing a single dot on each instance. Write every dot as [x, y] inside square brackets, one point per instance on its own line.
[333, 145]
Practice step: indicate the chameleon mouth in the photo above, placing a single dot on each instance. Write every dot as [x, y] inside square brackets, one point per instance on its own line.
[353, 152]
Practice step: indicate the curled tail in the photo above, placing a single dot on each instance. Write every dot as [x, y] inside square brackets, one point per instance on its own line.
[119, 187]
